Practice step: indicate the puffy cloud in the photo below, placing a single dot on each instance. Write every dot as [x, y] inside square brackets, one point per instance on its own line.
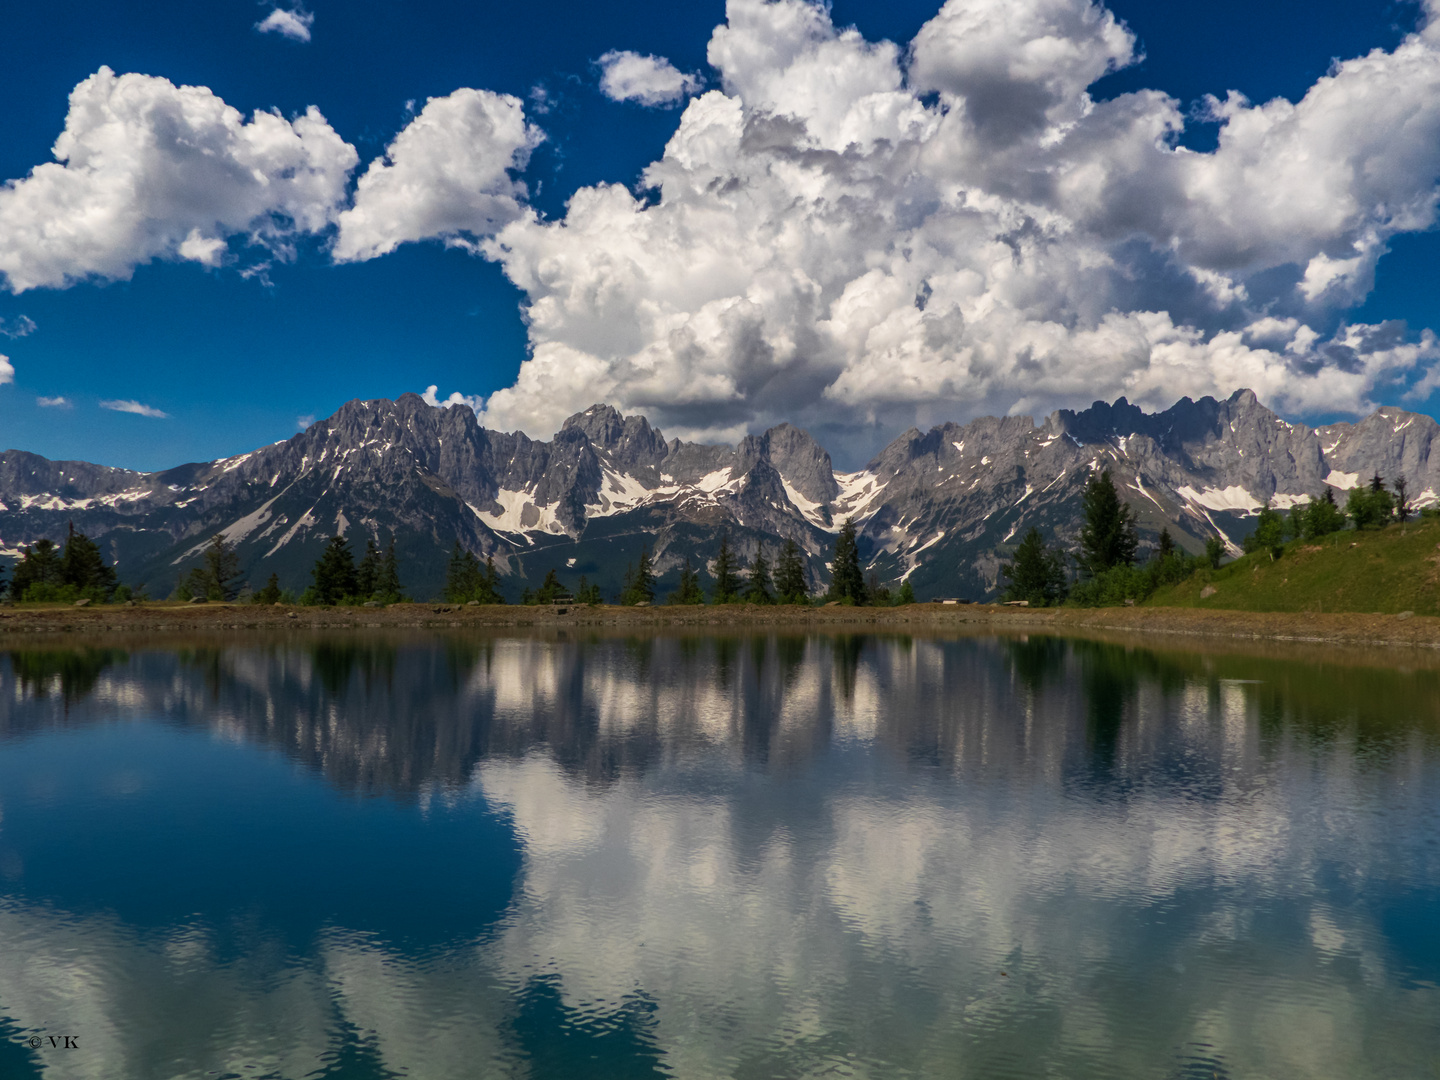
[446, 175]
[457, 398]
[294, 25]
[53, 402]
[19, 326]
[135, 407]
[146, 170]
[7, 371]
[850, 232]
[650, 80]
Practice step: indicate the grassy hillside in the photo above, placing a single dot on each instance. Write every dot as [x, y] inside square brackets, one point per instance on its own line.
[1389, 570]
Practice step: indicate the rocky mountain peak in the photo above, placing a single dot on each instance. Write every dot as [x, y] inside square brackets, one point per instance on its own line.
[797, 457]
[629, 441]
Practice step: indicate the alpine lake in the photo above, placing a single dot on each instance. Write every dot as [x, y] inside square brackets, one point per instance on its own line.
[367, 855]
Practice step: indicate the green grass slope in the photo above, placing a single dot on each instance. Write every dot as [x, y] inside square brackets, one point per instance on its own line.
[1388, 571]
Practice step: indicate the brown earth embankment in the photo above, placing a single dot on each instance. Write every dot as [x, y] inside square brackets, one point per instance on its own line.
[1169, 625]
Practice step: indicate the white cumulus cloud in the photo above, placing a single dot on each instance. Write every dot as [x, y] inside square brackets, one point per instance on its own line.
[7, 371]
[294, 24]
[854, 232]
[53, 402]
[135, 407]
[145, 169]
[434, 401]
[447, 175]
[650, 80]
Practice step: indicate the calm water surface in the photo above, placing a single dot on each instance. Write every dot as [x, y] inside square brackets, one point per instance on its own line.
[700, 857]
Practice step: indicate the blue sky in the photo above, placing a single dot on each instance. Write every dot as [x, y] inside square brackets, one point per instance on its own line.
[238, 352]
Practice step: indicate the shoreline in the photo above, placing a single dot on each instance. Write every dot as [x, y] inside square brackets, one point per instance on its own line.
[1369, 630]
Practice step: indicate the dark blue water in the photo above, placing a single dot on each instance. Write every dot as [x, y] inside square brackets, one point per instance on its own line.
[694, 857]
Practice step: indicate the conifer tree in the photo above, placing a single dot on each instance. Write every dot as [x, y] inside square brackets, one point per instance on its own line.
[644, 584]
[907, 593]
[790, 585]
[1402, 498]
[334, 573]
[689, 590]
[1036, 573]
[550, 588]
[216, 578]
[462, 575]
[758, 590]
[847, 581]
[270, 594]
[725, 590]
[367, 573]
[1108, 537]
[39, 565]
[84, 568]
[588, 593]
[388, 588]
[491, 591]
[466, 581]
[1166, 546]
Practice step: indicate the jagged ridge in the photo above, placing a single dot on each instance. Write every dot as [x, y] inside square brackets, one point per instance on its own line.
[940, 508]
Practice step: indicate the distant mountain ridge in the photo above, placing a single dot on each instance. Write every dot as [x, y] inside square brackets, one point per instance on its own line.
[941, 508]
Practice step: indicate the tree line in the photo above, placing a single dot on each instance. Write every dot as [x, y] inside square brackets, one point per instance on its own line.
[777, 577]
[1105, 569]
[49, 572]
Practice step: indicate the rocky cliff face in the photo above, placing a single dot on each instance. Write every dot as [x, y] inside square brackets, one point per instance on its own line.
[941, 508]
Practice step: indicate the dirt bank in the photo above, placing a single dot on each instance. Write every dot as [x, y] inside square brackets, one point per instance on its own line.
[1161, 624]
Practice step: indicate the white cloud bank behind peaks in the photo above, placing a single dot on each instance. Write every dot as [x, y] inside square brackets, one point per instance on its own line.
[848, 231]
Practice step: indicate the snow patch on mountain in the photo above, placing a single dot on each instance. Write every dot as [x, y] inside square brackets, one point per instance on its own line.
[1233, 497]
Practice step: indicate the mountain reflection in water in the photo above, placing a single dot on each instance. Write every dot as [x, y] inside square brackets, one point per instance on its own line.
[710, 856]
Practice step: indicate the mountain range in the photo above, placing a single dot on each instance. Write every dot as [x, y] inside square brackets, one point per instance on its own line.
[941, 508]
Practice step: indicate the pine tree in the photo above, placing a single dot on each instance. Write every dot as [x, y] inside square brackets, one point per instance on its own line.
[37, 572]
[790, 585]
[907, 593]
[217, 576]
[270, 594]
[759, 590]
[847, 581]
[725, 591]
[1036, 573]
[388, 589]
[549, 589]
[462, 576]
[1108, 538]
[1214, 551]
[83, 567]
[367, 573]
[490, 592]
[1166, 547]
[643, 587]
[689, 590]
[587, 593]
[334, 572]
[1402, 498]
